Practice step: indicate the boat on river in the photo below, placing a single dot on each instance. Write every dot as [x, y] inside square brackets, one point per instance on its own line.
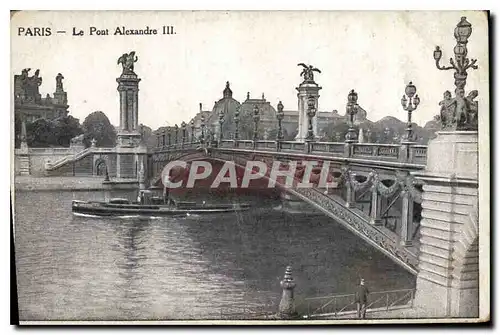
[148, 205]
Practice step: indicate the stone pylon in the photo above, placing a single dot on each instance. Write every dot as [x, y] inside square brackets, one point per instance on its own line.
[305, 90]
[128, 88]
[448, 277]
[131, 152]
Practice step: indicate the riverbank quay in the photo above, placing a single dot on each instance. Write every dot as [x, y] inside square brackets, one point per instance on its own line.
[29, 183]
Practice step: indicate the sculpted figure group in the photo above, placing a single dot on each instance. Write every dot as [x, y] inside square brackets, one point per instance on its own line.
[459, 113]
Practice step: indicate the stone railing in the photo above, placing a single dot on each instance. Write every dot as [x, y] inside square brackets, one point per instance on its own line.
[417, 154]
[49, 166]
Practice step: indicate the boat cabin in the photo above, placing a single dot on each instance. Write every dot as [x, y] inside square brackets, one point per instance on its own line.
[148, 197]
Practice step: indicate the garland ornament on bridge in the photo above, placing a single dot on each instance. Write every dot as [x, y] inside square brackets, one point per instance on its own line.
[459, 113]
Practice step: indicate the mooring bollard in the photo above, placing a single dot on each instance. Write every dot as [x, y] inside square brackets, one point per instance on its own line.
[287, 303]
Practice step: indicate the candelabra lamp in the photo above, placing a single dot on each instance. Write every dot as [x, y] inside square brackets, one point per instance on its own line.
[256, 119]
[459, 113]
[202, 125]
[192, 130]
[410, 101]
[351, 110]
[184, 128]
[221, 121]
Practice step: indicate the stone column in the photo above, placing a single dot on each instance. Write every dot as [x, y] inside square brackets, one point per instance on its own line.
[448, 278]
[376, 207]
[350, 193]
[128, 88]
[305, 90]
[406, 219]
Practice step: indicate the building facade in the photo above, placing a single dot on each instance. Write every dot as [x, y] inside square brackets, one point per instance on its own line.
[29, 104]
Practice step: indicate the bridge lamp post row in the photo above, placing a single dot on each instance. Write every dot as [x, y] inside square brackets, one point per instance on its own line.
[280, 116]
[410, 102]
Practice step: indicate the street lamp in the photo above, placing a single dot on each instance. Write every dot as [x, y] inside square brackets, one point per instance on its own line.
[256, 119]
[351, 110]
[202, 125]
[183, 127]
[461, 63]
[236, 123]
[221, 121]
[280, 115]
[192, 130]
[410, 101]
[311, 112]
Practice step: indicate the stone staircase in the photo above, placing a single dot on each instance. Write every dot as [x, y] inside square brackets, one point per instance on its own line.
[358, 222]
[24, 165]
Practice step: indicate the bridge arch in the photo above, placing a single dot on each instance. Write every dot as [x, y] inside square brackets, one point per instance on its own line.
[332, 205]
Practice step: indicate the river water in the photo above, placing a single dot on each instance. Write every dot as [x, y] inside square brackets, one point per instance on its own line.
[198, 267]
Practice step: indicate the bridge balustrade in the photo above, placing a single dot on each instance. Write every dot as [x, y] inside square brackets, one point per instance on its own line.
[406, 153]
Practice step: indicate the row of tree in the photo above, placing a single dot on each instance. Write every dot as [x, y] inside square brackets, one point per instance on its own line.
[43, 133]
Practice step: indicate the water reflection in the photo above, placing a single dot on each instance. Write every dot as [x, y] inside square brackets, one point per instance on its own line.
[180, 268]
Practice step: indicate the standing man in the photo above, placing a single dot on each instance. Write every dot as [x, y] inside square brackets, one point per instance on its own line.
[361, 299]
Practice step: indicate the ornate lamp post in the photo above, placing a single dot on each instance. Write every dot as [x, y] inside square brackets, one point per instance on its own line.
[183, 127]
[202, 125]
[221, 121]
[256, 119]
[311, 112]
[192, 130]
[176, 129]
[351, 110]
[463, 30]
[236, 123]
[459, 113]
[410, 101]
[280, 115]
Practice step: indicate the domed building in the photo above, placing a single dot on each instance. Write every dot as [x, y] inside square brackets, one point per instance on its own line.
[226, 106]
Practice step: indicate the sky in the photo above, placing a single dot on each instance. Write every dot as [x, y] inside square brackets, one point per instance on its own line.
[374, 53]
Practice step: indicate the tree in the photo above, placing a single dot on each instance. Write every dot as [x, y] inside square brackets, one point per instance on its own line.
[40, 133]
[64, 129]
[97, 126]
